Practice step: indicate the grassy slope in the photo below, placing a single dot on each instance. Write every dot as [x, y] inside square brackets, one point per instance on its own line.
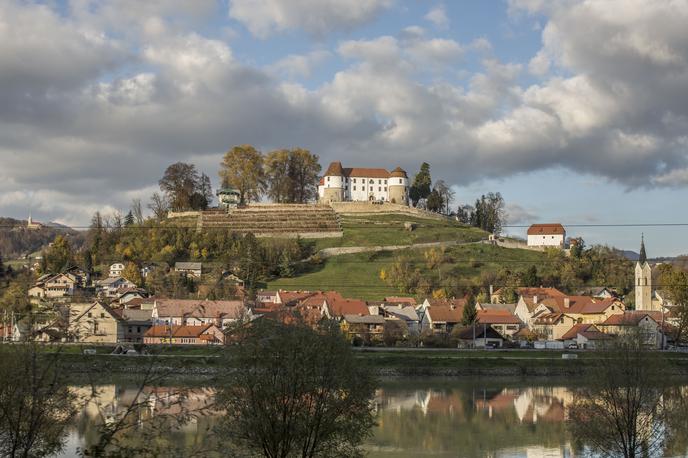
[389, 230]
[357, 275]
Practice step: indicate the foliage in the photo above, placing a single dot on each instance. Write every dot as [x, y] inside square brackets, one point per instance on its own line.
[242, 169]
[488, 213]
[470, 313]
[59, 256]
[675, 282]
[420, 189]
[619, 411]
[184, 188]
[292, 175]
[16, 240]
[36, 406]
[440, 198]
[296, 392]
[132, 272]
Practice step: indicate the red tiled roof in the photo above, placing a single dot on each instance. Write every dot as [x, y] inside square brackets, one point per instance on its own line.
[546, 229]
[400, 300]
[334, 169]
[341, 307]
[199, 309]
[496, 317]
[445, 313]
[366, 172]
[632, 318]
[589, 331]
[549, 318]
[293, 297]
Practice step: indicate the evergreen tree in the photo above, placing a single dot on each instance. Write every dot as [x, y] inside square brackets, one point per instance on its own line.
[2, 267]
[530, 278]
[422, 183]
[470, 313]
[87, 261]
[285, 267]
[129, 219]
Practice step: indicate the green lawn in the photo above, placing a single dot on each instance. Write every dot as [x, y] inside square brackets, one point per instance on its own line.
[358, 275]
[389, 230]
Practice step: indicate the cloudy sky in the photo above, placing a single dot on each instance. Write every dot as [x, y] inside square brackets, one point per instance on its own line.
[577, 111]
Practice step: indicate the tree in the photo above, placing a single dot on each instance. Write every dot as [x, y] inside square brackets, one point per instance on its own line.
[422, 182]
[446, 195]
[159, 206]
[242, 169]
[203, 195]
[179, 183]
[470, 313]
[129, 219]
[137, 211]
[464, 213]
[303, 171]
[619, 411]
[577, 247]
[277, 175]
[285, 267]
[132, 273]
[58, 256]
[530, 277]
[87, 261]
[434, 202]
[675, 282]
[488, 213]
[295, 391]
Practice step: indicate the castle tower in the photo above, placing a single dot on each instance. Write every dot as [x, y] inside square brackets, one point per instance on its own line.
[398, 186]
[643, 280]
[333, 183]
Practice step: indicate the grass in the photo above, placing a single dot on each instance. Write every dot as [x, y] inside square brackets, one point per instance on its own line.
[389, 230]
[358, 275]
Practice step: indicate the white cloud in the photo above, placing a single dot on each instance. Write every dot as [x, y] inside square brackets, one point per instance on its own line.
[438, 16]
[539, 65]
[300, 65]
[317, 17]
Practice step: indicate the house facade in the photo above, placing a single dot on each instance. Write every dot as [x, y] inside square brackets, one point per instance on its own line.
[208, 334]
[95, 323]
[547, 235]
[191, 312]
[116, 269]
[340, 184]
[190, 269]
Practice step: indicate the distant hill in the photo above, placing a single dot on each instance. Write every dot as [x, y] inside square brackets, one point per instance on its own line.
[16, 240]
[629, 254]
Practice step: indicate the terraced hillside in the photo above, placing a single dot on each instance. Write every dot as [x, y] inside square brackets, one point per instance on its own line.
[277, 220]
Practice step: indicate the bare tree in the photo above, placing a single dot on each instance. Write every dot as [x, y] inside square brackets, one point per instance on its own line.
[159, 206]
[294, 391]
[619, 411]
[137, 211]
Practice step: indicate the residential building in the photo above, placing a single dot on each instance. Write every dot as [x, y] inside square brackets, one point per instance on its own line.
[552, 326]
[366, 327]
[337, 307]
[502, 321]
[407, 314]
[498, 295]
[195, 312]
[135, 324]
[586, 336]
[116, 269]
[340, 184]
[207, 334]
[650, 326]
[55, 286]
[111, 286]
[583, 309]
[478, 337]
[441, 318]
[190, 269]
[401, 300]
[547, 235]
[95, 323]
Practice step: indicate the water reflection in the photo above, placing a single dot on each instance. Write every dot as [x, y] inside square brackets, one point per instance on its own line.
[415, 418]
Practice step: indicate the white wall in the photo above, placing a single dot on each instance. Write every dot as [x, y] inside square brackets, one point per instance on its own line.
[546, 240]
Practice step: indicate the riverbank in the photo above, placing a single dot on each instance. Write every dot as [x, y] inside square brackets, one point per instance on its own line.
[383, 362]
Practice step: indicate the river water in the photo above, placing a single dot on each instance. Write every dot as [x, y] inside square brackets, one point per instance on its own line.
[430, 417]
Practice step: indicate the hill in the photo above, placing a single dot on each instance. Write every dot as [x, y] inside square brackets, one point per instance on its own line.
[16, 240]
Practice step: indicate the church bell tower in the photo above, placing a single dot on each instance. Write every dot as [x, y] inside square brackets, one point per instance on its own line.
[643, 280]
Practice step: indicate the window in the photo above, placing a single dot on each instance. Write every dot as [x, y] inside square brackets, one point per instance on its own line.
[354, 186]
[385, 188]
[379, 188]
[379, 181]
[364, 188]
[354, 180]
[372, 181]
[129, 331]
[385, 181]
[328, 178]
[90, 315]
[138, 329]
[399, 180]
[102, 315]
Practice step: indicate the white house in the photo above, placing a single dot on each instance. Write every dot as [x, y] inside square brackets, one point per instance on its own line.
[116, 269]
[340, 184]
[544, 235]
[112, 286]
[190, 269]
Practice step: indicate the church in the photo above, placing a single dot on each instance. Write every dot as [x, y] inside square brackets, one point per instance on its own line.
[646, 296]
[340, 184]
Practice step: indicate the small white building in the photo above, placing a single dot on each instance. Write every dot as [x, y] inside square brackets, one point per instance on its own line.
[116, 269]
[547, 235]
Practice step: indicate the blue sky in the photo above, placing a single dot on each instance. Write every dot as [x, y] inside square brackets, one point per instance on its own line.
[575, 110]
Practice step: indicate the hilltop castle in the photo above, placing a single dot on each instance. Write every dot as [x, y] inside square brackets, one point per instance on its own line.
[363, 184]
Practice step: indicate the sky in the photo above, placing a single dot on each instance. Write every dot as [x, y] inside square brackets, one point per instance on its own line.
[575, 110]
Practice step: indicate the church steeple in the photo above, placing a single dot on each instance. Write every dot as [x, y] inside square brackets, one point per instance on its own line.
[643, 255]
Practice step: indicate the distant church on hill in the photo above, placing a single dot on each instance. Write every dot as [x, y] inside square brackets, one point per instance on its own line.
[341, 184]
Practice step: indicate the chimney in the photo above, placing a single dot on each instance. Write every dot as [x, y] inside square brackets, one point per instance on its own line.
[491, 292]
[535, 299]
[567, 302]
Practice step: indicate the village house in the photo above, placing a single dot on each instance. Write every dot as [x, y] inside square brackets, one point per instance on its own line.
[547, 235]
[441, 319]
[111, 286]
[340, 184]
[478, 337]
[116, 269]
[583, 309]
[650, 326]
[502, 321]
[552, 326]
[337, 308]
[528, 292]
[54, 286]
[586, 336]
[135, 323]
[401, 300]
[196, 312]
[369, 328]
[207, 334]
[94, 323]
[189, 269]
[407, 314]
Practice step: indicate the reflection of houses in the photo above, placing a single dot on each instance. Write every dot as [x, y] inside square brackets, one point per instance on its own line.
[542, 404]
[207, 334]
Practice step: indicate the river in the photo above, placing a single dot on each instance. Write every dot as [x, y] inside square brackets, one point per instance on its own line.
[429, 417]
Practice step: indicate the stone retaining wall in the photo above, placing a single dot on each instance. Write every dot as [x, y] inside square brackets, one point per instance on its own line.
[363, 208]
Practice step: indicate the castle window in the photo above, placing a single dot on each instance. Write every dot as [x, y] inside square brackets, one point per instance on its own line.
[354, 180]
[379, 188]
[328, 178]
[372, 181]
[385, 181]
[354, 186]
[385, 188]
[379, 181]
[399, 180]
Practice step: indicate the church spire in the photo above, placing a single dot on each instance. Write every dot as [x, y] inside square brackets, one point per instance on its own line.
[643, 256]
